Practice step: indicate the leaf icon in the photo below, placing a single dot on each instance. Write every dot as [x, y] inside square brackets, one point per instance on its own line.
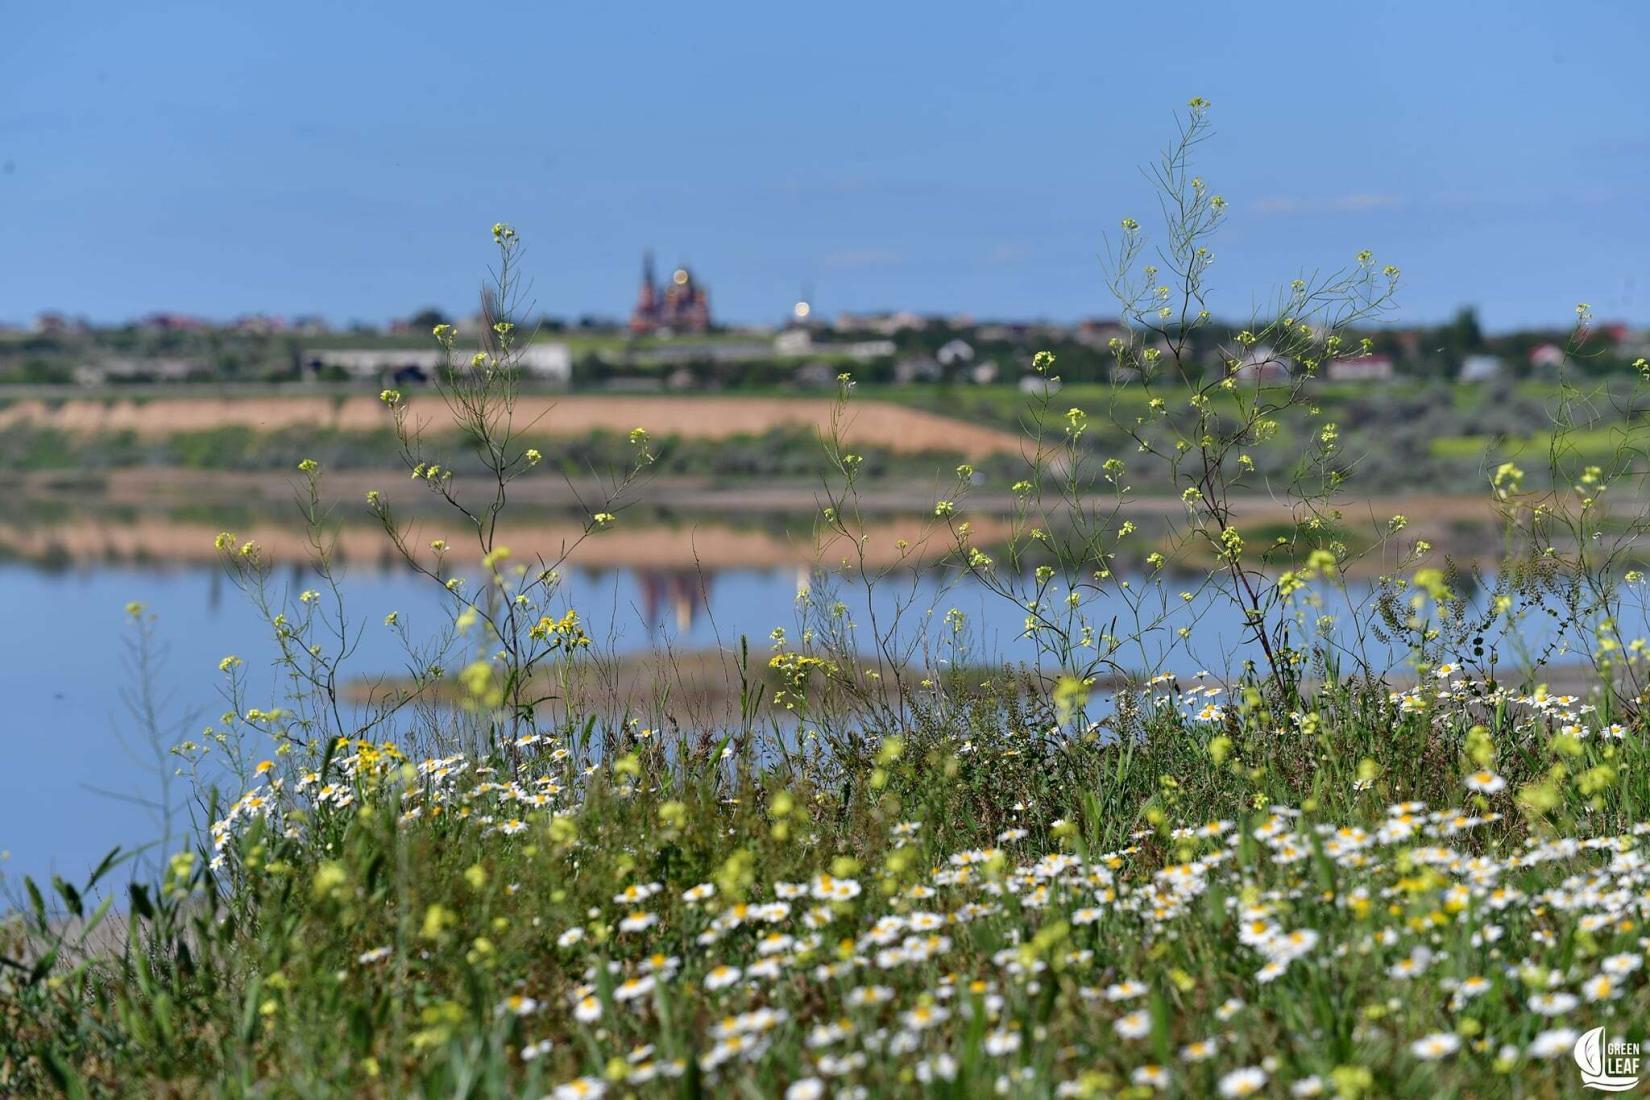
[1589, 1052]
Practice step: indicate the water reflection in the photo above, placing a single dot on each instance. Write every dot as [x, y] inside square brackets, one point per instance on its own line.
[675, 594]
[69, 732]
[694, 588]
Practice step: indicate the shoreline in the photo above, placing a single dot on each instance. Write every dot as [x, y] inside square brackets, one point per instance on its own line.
[668, 523]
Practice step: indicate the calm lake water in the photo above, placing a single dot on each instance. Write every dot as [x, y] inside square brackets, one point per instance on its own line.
[80, 775]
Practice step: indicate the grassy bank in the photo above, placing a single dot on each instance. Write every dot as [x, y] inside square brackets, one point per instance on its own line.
[1425, 894]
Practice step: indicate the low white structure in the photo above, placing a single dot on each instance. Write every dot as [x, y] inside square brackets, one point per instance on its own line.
[953, 352]
[138, 370]
[887, 324]
[1481, 368]
[374, 362]
[918, 369]
[1262, 364]
[793, 341]
[1039, 385]
[546, 360]
[865, 350]
[799, 342]
[1362, 368]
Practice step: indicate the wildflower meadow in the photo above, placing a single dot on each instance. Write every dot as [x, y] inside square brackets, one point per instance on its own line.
[1391, 844]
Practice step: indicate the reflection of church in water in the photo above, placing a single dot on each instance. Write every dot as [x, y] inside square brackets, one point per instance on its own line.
[679, 593]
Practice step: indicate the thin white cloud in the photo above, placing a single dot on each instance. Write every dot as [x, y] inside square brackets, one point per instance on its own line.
[1354, 203]
[852, 259]
[1009, 254]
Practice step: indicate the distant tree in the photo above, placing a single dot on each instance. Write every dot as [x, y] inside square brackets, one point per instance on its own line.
[39, 371]
[1464, 336]
[428, 318]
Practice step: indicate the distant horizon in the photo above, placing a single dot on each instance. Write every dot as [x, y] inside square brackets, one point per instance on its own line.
[325, 159]
[822, 316]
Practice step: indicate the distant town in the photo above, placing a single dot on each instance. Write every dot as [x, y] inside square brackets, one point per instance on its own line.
[671, 341]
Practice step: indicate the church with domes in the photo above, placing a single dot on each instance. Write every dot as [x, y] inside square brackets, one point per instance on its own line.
[678, 305]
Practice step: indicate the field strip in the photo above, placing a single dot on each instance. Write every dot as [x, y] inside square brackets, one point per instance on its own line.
[870, 423]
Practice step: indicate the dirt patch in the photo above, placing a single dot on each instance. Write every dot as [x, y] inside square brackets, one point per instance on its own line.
[870, 423]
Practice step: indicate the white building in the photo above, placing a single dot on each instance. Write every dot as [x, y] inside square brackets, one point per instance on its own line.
[548, 361]
[866, 350]
[1262, 364]
[953, 352]
[799, 342]
[793, 341]
[545, 360]
[1362, 368]
[1481, 368]
[1039, 385]
[139, 370]
[918, 368]
[887, 324]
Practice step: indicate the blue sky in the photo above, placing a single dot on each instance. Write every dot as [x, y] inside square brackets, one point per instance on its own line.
[347, 158]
